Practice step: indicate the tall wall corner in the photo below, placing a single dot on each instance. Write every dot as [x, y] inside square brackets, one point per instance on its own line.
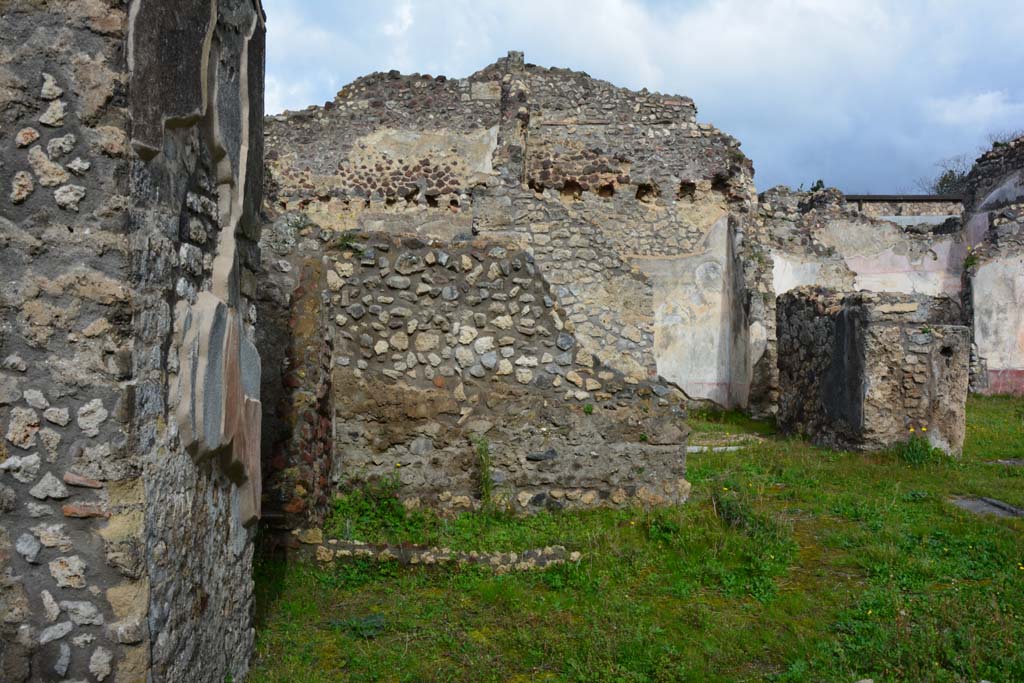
[129, 382]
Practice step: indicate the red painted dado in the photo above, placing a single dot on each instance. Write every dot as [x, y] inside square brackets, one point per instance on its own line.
[1005, 382]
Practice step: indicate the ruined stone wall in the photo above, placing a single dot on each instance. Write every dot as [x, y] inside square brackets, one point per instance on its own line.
[123, 548]
[994, 292]
[433, 346]
[633, 211]
[70, 483]
[862, 370]
[822, 239]
[295, 338]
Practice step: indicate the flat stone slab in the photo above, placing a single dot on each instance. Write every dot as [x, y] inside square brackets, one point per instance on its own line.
[408, 554]
[1011, 462]
[724, 439]
[986, 506]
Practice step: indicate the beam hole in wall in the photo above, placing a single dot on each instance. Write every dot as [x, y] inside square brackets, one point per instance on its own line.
[687, 190]
[647, 192]
[720, 183]
[432, 201]
[606, 190]
[535, 186]
[571, 190]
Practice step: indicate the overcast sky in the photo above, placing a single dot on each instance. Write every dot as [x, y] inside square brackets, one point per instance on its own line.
[866, 94]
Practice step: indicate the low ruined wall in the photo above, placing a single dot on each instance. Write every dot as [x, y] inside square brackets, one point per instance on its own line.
[862, 370]
[125, 528]
[995, 292]
[634, 212]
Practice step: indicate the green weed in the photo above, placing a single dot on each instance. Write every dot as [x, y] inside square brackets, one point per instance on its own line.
[372, 512]
[484, 464]
[917, 451]
[790, 563]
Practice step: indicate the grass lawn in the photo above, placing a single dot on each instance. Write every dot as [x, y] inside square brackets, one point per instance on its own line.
[789, 563]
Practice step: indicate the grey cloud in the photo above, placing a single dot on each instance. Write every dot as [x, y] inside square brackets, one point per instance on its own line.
[867, 95]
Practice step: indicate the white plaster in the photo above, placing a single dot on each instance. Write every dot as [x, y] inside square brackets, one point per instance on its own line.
[133, 14]
[977, 226]
[998, 293]
[790, 272]
[936, 272]
[884, 259]
[693, 322]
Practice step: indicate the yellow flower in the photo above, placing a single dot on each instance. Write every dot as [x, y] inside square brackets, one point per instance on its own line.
[398, 464]
[924, 429]
[725, 488]
[911, 429]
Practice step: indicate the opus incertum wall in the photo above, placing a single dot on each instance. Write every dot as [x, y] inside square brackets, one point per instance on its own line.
[634, 212]
[866, 370]
[130, 151]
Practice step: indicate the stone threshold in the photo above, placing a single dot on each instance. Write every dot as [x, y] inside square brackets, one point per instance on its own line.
[331, 550]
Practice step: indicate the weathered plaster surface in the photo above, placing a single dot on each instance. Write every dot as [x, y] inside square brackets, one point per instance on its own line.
[195, 348]
[995, 295]
[998, 289]
[693, 326]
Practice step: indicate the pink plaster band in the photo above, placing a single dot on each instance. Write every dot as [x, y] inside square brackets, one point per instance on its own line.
[1005, 382]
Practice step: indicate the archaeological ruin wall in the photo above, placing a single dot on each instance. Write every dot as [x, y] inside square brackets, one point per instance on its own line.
[449, 367]
[129, 385]
[635, 213]
[857, 243]
[868, 370]
[827, 239]
[642, 222]
[994, 294]
[504, 287]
